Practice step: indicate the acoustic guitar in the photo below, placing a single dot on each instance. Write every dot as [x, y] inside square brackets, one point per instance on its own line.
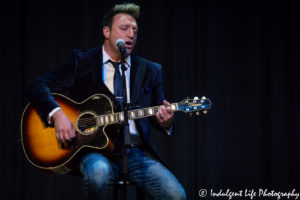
[92, 120]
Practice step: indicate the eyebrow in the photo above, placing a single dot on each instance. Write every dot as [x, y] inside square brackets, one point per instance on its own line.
[128, 25]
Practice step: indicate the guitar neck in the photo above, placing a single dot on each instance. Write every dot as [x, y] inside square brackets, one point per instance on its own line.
[132, 114]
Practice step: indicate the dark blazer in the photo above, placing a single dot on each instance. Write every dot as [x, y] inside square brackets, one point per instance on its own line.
[81, 77]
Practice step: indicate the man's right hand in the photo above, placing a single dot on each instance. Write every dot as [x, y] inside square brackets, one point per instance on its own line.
[64, 129]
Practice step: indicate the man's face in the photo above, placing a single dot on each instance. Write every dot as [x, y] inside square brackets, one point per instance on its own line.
[124, 27]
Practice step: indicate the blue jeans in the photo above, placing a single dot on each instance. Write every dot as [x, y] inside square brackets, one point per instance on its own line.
[155, 179]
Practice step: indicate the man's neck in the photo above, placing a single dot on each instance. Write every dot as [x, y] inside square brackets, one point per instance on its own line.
[107, 57]
[115, 56]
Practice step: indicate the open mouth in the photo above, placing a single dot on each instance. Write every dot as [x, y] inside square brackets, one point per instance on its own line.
[129, 44]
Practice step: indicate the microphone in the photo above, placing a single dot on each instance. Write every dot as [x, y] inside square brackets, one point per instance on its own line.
[121, 46]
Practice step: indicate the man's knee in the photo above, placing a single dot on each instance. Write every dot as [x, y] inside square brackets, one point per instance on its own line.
[170, 188]
[96, 170]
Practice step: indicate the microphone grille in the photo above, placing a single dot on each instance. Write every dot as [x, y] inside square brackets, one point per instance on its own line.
[120, 42]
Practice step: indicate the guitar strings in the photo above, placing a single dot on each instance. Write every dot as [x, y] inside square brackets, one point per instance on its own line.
[92, 121]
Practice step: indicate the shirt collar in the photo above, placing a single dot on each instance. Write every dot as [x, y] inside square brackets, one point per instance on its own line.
[106, 58]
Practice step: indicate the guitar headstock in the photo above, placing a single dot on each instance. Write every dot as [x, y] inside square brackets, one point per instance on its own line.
[195, 105]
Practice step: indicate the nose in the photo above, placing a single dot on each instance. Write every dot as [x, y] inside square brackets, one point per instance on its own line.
[130, 33]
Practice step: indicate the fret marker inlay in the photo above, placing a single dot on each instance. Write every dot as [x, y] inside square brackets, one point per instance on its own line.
[106, 119]
[121, 117]
[150, 111]
[141, 113]
[112, 118]
[132, 114]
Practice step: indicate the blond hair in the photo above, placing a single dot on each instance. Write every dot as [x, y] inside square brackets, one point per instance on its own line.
[127, 8]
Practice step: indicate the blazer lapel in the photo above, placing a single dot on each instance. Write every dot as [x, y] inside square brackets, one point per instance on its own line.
[96, 61]
[137, 73]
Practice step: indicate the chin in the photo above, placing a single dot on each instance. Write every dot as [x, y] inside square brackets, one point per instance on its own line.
[128, 52]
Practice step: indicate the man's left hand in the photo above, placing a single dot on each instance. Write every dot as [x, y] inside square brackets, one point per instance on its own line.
[165, 115]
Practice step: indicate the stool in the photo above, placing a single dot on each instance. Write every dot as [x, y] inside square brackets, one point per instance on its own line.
[117, 190]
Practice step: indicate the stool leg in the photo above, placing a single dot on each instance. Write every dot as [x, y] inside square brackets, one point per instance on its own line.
[140, 195]
[115, 192]
[120, 192]
[124, 191]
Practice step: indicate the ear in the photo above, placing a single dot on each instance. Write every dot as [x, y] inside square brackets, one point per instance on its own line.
[106, 32]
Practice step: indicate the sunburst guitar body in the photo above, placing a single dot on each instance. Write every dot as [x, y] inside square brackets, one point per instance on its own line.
[92, 119]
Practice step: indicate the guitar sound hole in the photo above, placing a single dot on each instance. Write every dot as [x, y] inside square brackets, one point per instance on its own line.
[87, 123]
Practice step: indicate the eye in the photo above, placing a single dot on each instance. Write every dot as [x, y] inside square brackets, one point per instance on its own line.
[124, 28]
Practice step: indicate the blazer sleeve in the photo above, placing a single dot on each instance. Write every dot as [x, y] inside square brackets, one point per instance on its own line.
[157, 99]
[39, 92]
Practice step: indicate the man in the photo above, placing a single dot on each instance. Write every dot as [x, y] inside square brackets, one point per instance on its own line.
[92, 72]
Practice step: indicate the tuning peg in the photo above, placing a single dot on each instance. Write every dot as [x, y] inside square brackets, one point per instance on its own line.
[187, 100]
[195, 99]
[203, 99]
[197, 113]
[205, 112]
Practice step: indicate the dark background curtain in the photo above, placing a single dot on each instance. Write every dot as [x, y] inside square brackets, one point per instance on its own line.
[243, 55]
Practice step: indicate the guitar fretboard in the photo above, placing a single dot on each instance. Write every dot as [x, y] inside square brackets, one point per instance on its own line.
[132, 114]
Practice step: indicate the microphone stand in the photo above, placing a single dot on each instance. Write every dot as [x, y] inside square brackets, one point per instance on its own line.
[127, 139]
